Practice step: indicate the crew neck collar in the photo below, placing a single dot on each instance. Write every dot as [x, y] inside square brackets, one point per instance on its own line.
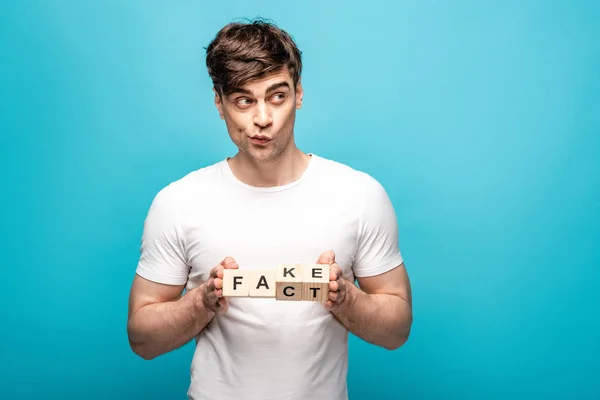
[228, 172]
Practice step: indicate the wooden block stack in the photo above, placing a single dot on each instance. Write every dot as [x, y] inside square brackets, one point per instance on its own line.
[288, 282]
[288, 278]
[315, 282]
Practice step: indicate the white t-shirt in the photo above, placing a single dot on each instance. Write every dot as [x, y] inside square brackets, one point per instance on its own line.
[264, 348]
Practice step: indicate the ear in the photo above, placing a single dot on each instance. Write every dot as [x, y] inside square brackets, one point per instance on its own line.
[218, 103]
[299, 94]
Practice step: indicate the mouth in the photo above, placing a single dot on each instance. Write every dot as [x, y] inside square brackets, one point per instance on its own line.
[260, 139]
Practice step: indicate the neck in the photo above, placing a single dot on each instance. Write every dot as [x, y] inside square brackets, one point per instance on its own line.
[287, 168]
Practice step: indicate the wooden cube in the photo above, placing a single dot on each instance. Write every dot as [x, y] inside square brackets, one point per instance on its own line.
[315, 282]
[262, 283]
[288, 282]
[236, 283]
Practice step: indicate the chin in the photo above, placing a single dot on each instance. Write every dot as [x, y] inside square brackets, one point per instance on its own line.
[265, 157]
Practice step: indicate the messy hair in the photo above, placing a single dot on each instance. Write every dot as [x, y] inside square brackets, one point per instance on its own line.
[242, 51]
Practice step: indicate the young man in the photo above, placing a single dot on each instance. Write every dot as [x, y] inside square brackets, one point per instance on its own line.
[269, 204]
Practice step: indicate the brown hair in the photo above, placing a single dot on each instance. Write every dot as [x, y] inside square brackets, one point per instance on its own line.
[241, 52]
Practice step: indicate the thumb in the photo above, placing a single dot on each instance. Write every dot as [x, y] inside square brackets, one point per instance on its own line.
[327, 258]
[229, 263]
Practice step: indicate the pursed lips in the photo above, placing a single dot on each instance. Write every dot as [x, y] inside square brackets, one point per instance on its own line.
[261, 137]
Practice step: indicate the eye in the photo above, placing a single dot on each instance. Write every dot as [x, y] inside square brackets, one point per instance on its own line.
[243, 102]
[278, 97]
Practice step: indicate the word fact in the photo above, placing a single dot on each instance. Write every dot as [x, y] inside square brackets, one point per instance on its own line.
[288, 282]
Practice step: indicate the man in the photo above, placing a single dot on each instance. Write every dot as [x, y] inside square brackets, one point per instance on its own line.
[269, 204]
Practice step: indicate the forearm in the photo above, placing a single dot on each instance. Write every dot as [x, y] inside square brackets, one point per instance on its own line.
[158, 328]
[381, 319]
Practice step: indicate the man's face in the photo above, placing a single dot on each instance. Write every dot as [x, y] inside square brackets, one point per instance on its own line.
[260, 115]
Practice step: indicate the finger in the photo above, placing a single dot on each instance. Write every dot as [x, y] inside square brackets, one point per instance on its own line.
[335, 272]
[215, 289]
[337, 269]
[327, 257]
[229, 263]
[209, 296]
[332, 275]
[333, 296]
[216, 271]
[218, 283]
[334, 286]
[328, 304]
[223, 304]
[210, 285]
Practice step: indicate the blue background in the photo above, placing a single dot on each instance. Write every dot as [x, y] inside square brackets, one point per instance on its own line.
[482, 119]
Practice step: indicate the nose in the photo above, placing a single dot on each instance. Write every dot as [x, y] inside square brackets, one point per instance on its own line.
[263, 117]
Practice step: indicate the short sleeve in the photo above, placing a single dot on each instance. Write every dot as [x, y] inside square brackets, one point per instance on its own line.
[162, 253]
[378, 249]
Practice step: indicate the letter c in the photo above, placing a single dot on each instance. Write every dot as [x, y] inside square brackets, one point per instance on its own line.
[286, 293]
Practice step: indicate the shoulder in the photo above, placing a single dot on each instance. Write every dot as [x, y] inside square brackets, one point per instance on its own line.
[356, 189]
[188, 188]
[346, 177]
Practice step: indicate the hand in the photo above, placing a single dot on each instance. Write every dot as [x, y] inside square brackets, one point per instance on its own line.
[212, 295]
[337, 283]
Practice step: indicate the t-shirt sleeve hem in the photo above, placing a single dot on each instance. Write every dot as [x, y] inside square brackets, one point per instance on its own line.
[161, 278]
[380, 269]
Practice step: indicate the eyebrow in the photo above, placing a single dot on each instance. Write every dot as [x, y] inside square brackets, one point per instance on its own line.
[269, 89]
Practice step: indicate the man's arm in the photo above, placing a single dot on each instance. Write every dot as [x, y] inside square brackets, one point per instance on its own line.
[162, 320]
[380, 311]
